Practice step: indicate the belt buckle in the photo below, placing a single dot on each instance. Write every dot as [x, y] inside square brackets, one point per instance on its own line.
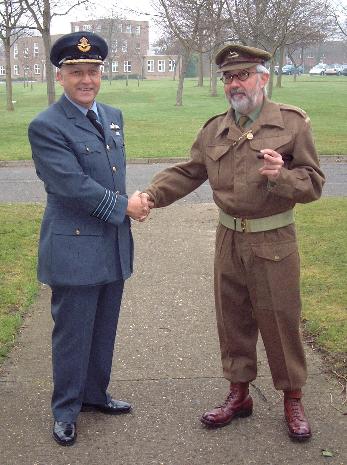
[244, 225]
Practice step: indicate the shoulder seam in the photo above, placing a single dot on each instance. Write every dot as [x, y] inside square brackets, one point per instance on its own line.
[214, 117]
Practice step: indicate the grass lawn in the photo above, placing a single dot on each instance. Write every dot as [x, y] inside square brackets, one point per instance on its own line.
[18, 284]
[322, 235]
[155, 127]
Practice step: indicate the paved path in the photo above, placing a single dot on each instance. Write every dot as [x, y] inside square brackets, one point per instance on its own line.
[167, 364]
[19, 183]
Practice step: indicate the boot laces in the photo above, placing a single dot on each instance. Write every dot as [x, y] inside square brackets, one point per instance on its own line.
[296, 409]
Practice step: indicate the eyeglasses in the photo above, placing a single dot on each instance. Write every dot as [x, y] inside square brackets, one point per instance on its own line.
[241, 76]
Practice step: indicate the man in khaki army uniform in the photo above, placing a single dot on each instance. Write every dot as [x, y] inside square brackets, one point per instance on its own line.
[258, 170]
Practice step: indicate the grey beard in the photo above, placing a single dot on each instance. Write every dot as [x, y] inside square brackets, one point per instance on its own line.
[246, 105]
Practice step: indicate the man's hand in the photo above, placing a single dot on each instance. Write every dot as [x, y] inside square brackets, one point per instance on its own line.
[273, 163]
[138, 208]
[149, 200]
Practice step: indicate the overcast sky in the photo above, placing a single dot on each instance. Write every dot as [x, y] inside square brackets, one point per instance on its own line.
[130, 9]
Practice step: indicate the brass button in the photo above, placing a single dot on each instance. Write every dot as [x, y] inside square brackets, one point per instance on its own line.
[277, 257]
[78, 232]
[114, 169]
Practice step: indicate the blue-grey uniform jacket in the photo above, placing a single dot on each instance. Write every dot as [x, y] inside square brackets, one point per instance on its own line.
[85, 234]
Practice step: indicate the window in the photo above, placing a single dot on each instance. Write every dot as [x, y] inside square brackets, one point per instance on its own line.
[138, 46]
[102, 69]
[127, 66]
[26, 52]
[128, 28]
[86, 27]
[137, 30]
[124, 46]
[121, 27]
[114, 66]
[15, 51]
[114, 47]
[161, 66]
[150, 66]
[77, 28]
[16, 70]
[36, 50]
[2, 71]
[37, 69]
[172, 65]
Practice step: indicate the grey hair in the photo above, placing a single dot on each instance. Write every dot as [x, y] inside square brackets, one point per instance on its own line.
[261, 69]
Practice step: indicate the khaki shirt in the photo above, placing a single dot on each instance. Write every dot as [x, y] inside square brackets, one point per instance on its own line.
[227, 157]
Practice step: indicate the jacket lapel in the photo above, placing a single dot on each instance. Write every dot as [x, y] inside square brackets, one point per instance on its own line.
[77, 117]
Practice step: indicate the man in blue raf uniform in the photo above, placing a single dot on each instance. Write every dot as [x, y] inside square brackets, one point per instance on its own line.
[86, 246]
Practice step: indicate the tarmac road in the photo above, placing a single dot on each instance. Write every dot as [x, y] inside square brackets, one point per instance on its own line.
[19, 183]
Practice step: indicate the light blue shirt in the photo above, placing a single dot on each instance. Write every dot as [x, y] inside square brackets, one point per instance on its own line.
[83, 109]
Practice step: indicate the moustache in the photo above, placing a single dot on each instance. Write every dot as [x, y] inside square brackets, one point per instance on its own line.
[236, 91]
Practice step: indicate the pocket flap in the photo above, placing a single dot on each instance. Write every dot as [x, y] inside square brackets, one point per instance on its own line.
[270, 142]
[69, 228]
[275, 252]
[215, 152]
[87, 148]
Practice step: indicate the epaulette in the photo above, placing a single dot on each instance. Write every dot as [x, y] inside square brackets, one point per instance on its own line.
[297, 110]
[285, 106]
[214, 117]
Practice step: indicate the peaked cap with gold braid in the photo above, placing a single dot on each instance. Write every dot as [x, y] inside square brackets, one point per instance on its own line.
[79, 47]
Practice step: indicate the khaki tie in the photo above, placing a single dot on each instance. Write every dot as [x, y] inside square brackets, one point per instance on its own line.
[243, 121]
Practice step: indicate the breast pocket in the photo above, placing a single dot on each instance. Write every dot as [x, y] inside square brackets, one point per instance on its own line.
[281, 144]
[78, 252]
[219, 166]
[119, 144]
[88, 154]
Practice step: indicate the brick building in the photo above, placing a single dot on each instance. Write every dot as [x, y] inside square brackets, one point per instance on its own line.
[128, 42]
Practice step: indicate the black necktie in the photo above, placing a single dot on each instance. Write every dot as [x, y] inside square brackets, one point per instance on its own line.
[91, 115]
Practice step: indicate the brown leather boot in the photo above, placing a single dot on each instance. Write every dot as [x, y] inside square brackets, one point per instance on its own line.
[298, 426]
[238, 404]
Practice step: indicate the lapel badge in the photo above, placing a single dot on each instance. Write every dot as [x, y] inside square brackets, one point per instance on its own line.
[114, 126]
[249, 136]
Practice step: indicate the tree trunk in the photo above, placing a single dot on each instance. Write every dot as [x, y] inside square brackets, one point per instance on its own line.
[280, 65]
[9, 98]
[200, 70]
[183, 69]
[213, 79]
[270, 85]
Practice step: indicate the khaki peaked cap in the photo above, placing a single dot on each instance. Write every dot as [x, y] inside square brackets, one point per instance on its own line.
[235, 56]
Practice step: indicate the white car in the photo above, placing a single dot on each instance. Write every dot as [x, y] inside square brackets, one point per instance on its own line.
[334, 69]
[318, 69]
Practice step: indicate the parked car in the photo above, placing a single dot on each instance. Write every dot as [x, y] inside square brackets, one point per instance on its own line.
[344, 70]
[333, 69]
[318, 69]
[290, 69]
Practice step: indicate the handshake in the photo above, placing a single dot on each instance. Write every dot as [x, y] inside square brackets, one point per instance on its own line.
[139, 206]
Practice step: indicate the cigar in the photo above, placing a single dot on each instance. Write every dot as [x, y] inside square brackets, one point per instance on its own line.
[260, 156]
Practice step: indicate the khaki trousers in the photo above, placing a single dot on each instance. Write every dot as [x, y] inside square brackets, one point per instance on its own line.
[257, 289]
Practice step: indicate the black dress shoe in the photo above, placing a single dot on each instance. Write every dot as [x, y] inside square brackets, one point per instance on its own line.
[113, 407]
[64, 433]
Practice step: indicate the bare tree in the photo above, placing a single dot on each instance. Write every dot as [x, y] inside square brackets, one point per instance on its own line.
[339, 15]
[194, 23]
[11, 13]
[274, 24]
[42, 12]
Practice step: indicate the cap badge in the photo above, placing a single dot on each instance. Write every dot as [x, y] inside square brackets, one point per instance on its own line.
[233, 55]
[84, 45]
